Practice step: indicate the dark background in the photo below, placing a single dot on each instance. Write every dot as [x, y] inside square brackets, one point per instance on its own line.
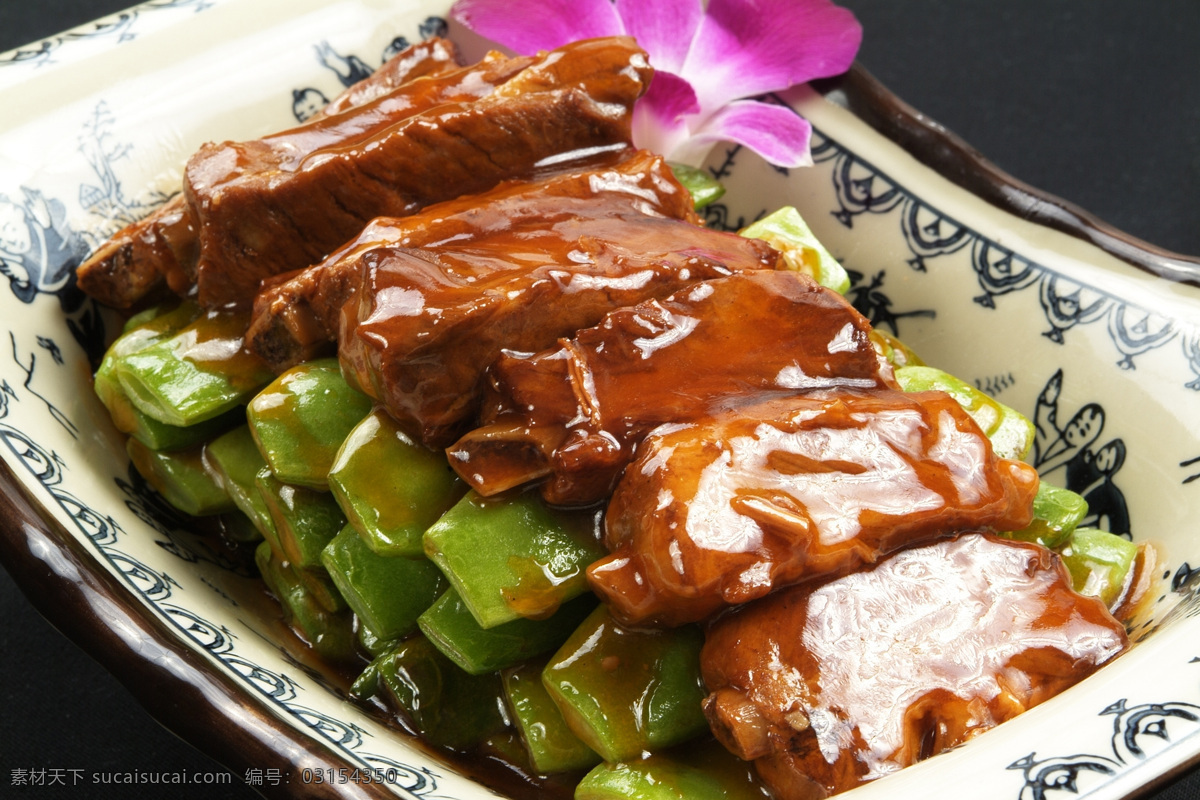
[1096, 101]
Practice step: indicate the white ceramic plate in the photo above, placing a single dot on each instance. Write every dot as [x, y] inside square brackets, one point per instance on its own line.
[1050, 311]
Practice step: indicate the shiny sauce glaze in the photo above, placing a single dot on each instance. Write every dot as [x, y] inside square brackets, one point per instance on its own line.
[216, 343]
[292, 149]
[425, 323]
[573, 415]
[297, 314]
[262, 209]
[832, 684]
[722, 511]
[132, 266]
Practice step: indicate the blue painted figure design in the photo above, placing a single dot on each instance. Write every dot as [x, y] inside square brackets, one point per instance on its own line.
[877, 306]
[1088, 467]
[38, 252]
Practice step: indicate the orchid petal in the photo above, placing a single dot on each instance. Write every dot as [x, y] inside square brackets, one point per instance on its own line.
[663, 28]
[777, 133]
[544, 25]
[670, 97]
[660, 116]
[745, 48]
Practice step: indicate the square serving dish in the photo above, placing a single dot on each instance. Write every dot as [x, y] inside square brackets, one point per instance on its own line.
[1086, 331]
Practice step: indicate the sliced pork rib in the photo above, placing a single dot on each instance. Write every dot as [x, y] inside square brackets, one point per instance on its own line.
[722, 511]
[296, 314]
[425, 323]
[284, 203]
[132, 266]
[828, 685]
[159, 251]
[432, 57]
[574, 414]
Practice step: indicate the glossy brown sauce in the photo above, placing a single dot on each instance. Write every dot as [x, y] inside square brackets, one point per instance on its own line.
[297, 314]
[425, 323]
[267, 207]
[832, 684]
[575, 414]
[332, 134]
[722, 511]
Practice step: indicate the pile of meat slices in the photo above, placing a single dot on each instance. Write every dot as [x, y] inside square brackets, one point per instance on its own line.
[499, 267]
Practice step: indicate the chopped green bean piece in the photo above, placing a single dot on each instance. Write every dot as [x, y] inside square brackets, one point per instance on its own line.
[330, 634]
[700, 771]
[152, 325]
[199, 372]
[371, 642]
[387, 593]
[625, 691]
[787, 232]
[366, 685]
[305, 520]
[703, 187]
[301, 419]
[236, 457]
[551, 745]
[1010, 432]
[1099, 563]
[141, 331]
[448, 706]
[1056, 513]
[185, 478]
[155, 435]
[449, 624]
[321, 587]
[237, 527]
[511, 556]
[390, 487]
[894, 351]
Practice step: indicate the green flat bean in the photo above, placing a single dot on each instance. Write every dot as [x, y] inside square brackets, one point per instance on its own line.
[305, 520]
[142, 331]
[626, 691]
[445, 704]
[391, 488]
[321, 587]
[1056, 513]
[449, 624]
[237, 460]
[703, 187]
[330, 634]
[511, 556]
[371, 642]
[700, 771]
[185, 478]
[1009, 431]
[549, 743]
[199, 372]
[301, 419]
[388, 593]
[787, 232]
[1099, 563]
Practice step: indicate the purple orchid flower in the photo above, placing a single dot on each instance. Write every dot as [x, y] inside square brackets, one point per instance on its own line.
[708, 61]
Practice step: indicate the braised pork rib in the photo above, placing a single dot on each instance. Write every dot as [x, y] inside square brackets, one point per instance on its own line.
[296, 315]
[722, 511]
[828, 685]
[160, 251]
[572, 416]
